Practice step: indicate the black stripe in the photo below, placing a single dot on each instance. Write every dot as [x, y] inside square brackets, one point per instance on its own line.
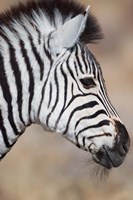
[104, 92]
[84, 60]
[94, 69]
[38, 58]
[102, 89]
[77, 142]
[65, 85]
[83, 95]
[82, 107]
[35, 53]
[78, 61]
[3, 155]
[37, 30]
[7, 95]
[102, 102]
[100, 135]
[72, 89]
[65, 95]
[50, 94]
[39, 35]
[29, 69]
[18, 81]
[84, 141]
[71, 73]
[74, 97]
[48, 41]
[7, 150]
[17, 75]
[76, 68]
[57, 96]
[43, 89]
[3, 132]
[100, 124]
[105, 103]
[93, 116]
[43, 94]
[48, 55]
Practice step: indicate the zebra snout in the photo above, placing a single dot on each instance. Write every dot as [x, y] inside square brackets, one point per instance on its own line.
[114, 157]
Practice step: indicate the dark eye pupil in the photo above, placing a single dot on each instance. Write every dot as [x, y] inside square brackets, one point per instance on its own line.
[88, 83]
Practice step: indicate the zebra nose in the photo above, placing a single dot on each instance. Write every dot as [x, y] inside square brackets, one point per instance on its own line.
[114, 157]
[122, 139]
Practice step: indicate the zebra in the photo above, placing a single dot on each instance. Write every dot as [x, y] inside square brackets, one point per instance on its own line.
[49, 76]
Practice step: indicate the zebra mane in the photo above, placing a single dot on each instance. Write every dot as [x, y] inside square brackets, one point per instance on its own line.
[53, 9]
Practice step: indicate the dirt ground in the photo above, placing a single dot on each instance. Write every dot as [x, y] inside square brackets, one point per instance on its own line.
[44, 166]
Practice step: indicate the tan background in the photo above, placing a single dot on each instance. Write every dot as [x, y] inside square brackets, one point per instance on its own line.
[44, 166]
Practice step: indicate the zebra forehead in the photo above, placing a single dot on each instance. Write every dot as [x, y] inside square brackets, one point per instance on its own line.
[55, 9]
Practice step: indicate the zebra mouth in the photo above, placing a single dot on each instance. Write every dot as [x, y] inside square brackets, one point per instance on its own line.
[108, 158]
[103, 158]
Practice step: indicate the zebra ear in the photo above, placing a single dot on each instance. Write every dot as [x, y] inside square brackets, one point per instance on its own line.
[68, 35]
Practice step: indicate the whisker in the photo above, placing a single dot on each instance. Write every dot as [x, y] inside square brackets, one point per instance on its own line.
[97, 171]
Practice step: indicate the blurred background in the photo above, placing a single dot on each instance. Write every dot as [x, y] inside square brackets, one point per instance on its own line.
[44, 166]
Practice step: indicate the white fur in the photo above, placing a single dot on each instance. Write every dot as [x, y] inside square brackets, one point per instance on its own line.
[68, 35]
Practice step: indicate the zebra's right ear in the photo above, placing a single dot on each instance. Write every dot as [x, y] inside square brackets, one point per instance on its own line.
[69, 33]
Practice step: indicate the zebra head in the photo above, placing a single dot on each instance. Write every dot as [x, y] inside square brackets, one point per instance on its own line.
[78, 106]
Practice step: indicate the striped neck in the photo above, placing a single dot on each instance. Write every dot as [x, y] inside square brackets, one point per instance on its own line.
[24, 72]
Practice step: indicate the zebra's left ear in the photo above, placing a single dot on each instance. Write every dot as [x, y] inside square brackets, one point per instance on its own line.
[68, 35]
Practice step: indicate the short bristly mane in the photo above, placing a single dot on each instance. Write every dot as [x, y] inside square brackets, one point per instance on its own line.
[57, 13]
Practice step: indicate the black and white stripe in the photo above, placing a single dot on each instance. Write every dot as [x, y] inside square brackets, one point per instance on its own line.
[40, 85]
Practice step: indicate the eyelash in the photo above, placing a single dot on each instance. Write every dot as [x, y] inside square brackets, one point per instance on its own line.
[88, 83]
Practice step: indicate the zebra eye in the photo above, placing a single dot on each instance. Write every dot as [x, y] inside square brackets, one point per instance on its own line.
[88, 83]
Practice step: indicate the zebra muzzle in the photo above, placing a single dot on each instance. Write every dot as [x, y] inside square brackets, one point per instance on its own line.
[114, 157]
[108, 157]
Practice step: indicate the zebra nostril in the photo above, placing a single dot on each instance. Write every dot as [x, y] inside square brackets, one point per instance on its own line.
[123, 140]
[125, 147]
